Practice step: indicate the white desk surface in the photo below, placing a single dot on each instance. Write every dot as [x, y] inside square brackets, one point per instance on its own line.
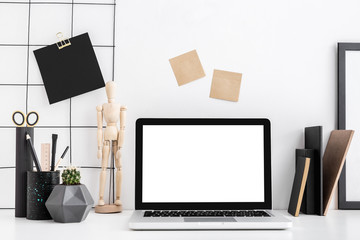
[336, 225]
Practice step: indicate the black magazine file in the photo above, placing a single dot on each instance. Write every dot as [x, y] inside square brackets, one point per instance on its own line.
[70, 71]
[314, 189]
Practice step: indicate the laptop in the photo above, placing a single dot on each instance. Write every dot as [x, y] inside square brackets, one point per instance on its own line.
[203, 174]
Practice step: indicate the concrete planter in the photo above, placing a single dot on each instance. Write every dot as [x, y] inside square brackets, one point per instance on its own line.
[69, 203]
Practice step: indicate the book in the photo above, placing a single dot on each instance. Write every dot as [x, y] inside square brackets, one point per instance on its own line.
[333, 162]
[297, 192]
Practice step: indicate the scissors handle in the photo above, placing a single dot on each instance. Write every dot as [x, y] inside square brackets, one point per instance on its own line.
[35, 121]
[25, 119]
[22, 116]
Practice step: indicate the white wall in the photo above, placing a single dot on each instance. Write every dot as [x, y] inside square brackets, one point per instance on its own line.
[286, 51]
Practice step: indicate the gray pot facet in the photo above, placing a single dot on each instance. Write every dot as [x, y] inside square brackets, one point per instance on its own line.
[69, 203]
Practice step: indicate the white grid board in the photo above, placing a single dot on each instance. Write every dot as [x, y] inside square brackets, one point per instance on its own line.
[29, 25]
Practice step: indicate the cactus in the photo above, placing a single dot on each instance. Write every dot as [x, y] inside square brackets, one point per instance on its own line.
[71, 176]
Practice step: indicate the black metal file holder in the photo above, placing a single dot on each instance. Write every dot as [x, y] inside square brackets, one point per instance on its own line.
[39, 188]
[23, 164]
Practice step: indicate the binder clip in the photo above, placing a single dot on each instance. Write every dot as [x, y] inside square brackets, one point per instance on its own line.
[62, 41]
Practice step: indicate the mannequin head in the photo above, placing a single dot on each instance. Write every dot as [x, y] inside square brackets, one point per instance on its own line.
[110, 91]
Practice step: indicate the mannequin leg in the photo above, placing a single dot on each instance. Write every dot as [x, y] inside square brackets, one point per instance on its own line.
[118, 174]
[104, 164]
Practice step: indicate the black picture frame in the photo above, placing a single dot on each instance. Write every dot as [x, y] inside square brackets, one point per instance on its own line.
[342, 48]
[140, 205]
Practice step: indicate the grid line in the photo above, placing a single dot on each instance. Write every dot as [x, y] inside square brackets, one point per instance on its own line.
[84, 167]
[41, 45]
[22, 84]
[55, 127]
[70, 109]
[28, 60]
[113, 79]
[111, 168]
[58, 3]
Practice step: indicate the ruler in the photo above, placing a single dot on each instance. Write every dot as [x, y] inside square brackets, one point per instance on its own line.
[45, 156]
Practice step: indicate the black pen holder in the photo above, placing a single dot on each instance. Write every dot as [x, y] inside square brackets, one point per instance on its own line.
[39, 188]
[23, 164]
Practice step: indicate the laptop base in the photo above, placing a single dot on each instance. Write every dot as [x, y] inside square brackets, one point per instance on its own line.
[276, 221]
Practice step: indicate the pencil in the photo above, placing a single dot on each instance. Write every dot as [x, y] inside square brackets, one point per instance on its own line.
[33, 153]
[62, 157]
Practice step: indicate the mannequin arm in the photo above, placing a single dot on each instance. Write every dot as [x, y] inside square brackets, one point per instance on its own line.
[99, 110]
[122, 126]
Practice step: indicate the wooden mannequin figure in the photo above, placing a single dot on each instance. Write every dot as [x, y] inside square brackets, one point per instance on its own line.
[112, 112]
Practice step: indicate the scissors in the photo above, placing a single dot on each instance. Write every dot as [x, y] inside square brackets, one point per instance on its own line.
[25, 118]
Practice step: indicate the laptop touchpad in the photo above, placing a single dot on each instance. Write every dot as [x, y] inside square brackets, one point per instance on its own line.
[209, 219]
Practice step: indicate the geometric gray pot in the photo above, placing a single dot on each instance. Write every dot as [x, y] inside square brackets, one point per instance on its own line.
[69, 203]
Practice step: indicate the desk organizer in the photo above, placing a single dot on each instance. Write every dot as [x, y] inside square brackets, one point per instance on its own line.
[23, 164]
[39, 188]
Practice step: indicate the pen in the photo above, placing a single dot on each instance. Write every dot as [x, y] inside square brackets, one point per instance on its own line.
[53, 152]
[33, 153]
[62, 157]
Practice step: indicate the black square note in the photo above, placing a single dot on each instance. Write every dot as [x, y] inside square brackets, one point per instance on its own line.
[70, 71]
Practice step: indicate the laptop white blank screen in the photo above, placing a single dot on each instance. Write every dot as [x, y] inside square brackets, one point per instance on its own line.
[203, 163]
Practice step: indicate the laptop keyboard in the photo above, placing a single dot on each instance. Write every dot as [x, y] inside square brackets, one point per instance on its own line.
[193, 213]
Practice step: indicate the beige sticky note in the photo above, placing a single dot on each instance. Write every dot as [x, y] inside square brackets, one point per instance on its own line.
[187, 67]
[225, 85]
